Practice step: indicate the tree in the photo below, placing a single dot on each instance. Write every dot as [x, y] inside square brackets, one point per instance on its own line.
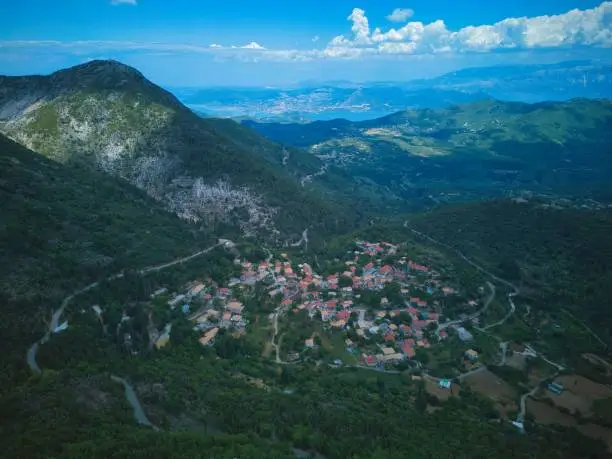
[345, 281]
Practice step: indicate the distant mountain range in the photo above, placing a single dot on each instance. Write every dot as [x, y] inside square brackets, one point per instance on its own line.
[488, 148]
[308, 102]
[109, 117]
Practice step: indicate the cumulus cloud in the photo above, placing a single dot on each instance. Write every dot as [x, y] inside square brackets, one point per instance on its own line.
[574, 29]
[400, 15]
[315, 39]
[124, 2]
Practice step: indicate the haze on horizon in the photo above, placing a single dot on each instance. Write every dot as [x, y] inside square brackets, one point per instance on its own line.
[263, 43]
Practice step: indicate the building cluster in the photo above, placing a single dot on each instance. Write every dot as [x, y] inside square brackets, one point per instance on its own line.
[387, 332]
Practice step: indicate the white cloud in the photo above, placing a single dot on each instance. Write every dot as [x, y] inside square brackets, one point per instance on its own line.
[574, 29]
[252, 45]
[400, 15]
[315, 39]
[124, 2]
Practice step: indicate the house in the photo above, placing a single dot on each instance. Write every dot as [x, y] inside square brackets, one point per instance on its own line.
[309, 343]
[443, 334]
[463, 334]
[393, 357]
[445, 384]
[176, 300]
[388, 350]
[555, 388]
[369, 360]
[227, 315]
[408, 350]
[159, 292]
[185, 308]
[162, 341]
[235, 307]
[471, 355]
[196, 289]
[343, 315]
[209, 336]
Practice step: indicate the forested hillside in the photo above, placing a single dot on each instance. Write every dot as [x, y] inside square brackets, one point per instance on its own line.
[421, 158]
[561, 258]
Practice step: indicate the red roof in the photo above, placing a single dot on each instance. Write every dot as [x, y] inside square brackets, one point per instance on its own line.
[368, 266]
[385, 269]
[286, 302]
[410, 342]
[343, 315]
[369, 359]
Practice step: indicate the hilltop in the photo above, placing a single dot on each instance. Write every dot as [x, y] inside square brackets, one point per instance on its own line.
[108, 116]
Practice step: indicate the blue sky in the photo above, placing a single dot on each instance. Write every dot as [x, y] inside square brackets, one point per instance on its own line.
[272, 42]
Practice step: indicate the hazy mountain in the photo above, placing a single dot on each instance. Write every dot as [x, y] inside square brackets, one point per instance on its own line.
[108, 116]
[464, 152]
[529, 83]
[359, 101]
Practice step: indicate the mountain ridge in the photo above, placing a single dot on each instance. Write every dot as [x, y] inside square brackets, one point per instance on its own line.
[109, 116]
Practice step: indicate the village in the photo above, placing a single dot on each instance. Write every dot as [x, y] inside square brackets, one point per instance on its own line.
[385, 311]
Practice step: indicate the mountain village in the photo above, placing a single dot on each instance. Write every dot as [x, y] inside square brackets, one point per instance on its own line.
[382, 334]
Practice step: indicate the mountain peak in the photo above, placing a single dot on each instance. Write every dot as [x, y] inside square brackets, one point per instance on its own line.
[98, 74]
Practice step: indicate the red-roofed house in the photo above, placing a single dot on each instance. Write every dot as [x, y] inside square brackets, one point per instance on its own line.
[408, 350]
[385, 269]
[343, 315]
[369, 360]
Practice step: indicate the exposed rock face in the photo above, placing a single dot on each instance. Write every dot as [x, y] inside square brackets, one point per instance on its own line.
[109, 116]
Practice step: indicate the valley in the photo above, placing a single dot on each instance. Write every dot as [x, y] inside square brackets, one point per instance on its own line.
[466, 152]
[174, 286]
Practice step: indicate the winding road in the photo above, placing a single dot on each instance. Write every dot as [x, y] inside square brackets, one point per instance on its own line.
[472, 316]
[55, 318]
[132, 399]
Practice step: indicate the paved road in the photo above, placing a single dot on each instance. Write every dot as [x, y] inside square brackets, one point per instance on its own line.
[182, 260]
[468, 260]
[520, 417]
[132, 399]
[515, 289]
[471, 316]
[55, 318]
